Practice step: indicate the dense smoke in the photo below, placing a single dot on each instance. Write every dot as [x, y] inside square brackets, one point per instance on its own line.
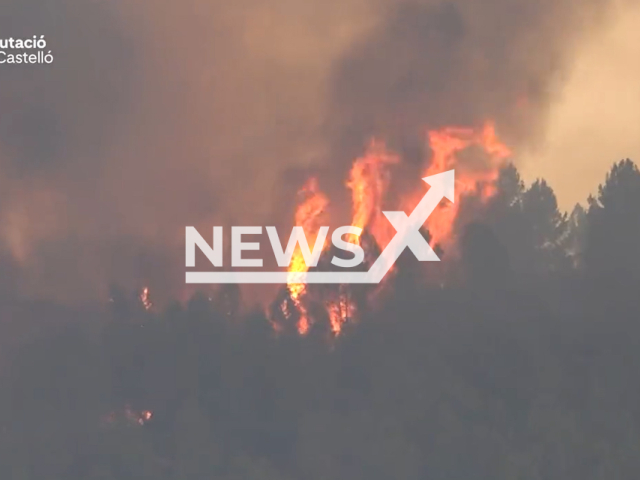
[430, 64]
[158, 115]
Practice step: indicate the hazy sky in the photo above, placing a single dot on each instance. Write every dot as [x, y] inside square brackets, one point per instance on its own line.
[596, 121]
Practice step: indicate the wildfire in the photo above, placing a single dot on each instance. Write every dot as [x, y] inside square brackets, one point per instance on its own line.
[368, 181]
[446, 144]
[307, 216]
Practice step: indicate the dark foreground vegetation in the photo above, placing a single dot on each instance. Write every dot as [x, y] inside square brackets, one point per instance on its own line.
[526, 366]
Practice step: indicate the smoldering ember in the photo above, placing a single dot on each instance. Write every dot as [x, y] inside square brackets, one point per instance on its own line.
[311, 240]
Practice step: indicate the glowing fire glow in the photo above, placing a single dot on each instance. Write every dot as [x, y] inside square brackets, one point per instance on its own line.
[446, 144]
[128, 416]
[144, 298]
[308, 216]
[340, 311]
[368, 181]
[145, 416]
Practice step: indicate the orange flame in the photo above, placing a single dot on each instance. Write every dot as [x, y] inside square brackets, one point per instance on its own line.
[368, 182]
[446, 144]
[308, 217]
[339, 312]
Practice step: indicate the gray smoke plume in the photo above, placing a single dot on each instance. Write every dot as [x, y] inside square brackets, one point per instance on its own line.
[435, 63]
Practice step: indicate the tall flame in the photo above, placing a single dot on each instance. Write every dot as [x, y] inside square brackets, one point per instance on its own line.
[368, 181]
[308, 215]
[446, 144]
[339, 311]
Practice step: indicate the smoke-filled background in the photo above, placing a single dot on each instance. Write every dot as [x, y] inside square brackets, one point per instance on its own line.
[156, 116]
[516, 357]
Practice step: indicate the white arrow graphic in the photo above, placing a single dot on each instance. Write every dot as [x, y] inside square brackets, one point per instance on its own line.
[408, 228]
[407, 236]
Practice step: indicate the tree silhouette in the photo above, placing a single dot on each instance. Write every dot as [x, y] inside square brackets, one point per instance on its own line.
[528, 223]
[613, 232]
[546, 228]
[485, 259]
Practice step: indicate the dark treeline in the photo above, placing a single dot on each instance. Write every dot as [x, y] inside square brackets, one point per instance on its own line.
[523, 366]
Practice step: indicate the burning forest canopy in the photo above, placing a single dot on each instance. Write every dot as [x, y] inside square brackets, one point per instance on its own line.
[368, 182]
